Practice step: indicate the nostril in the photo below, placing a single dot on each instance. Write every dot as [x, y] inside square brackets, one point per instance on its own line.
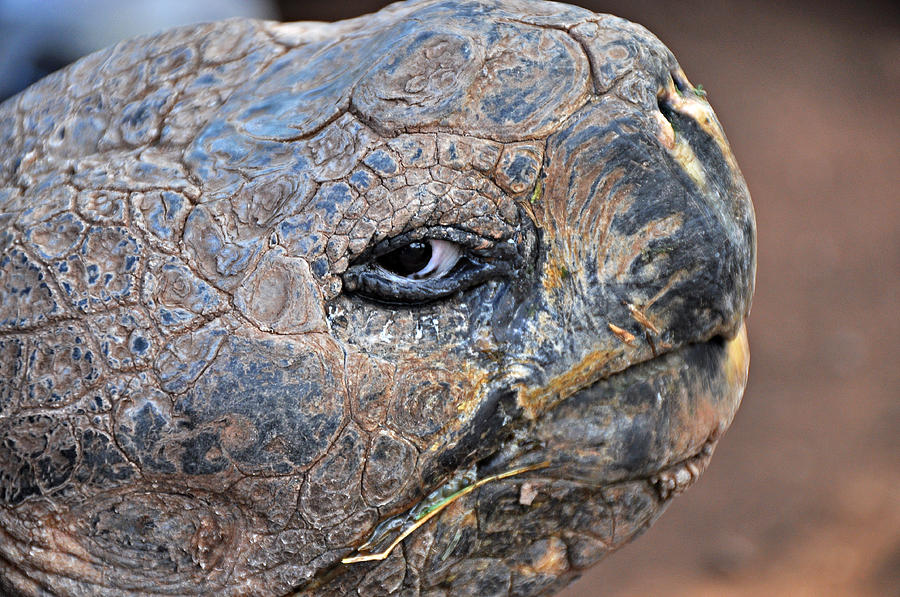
[670, 95]
[673, 93]
[666, 122]
[681, 81]
[664, 104]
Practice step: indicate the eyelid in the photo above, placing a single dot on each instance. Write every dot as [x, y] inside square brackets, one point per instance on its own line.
[467, 241]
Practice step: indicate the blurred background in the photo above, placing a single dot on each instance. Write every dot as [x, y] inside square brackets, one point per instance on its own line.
[803, 496]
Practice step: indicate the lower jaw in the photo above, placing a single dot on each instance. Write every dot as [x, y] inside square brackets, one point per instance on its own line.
[598, 494]
[593, 473]
[656, 421]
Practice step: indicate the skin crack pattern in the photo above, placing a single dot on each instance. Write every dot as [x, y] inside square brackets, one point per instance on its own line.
[443, 300]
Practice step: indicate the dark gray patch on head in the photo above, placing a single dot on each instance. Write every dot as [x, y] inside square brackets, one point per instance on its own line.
[271, 406]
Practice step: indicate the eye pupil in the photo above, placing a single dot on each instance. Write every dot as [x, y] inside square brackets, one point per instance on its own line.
[407, 260]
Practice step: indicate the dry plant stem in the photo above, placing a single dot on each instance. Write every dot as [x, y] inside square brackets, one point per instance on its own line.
[434, 510]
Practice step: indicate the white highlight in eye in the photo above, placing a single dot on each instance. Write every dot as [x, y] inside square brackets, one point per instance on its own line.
[444, 255]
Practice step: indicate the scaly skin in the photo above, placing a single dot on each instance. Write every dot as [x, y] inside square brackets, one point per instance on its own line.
[208, 385]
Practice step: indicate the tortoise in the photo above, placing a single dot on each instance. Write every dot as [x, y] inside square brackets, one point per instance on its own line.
[443, 300]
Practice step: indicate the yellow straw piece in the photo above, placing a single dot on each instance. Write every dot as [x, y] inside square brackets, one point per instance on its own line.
[436, 508]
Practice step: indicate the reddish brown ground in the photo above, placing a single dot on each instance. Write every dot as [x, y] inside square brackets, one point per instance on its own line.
[803, 495]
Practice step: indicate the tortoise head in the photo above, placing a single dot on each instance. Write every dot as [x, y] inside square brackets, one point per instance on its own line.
[592, 344]
[469, 276]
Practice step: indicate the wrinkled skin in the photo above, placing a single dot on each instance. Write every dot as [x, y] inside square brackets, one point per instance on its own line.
[209, 386]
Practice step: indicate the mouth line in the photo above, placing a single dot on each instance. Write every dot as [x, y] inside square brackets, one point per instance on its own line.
[668, 482]
[585, 376]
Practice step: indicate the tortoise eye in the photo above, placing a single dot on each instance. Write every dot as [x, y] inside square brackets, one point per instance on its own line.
[429, 264]
[407, 260]
[420, 260]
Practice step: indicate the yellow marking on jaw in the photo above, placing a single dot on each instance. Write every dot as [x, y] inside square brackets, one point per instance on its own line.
[471, 395]
[666, 133]
[580, 376]
[470, 404]
[701, 112]
[737, 363]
